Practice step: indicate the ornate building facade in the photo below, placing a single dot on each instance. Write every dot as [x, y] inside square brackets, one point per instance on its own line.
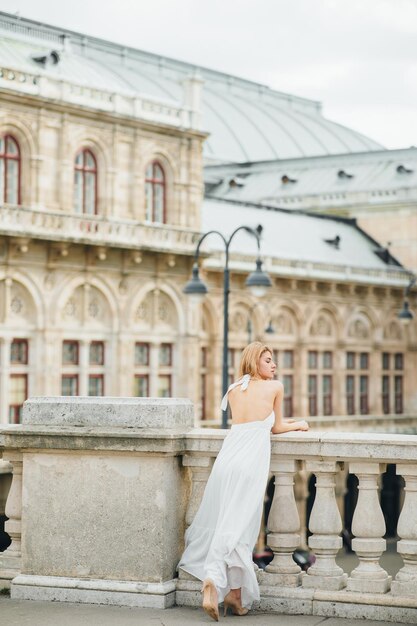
[101, 208]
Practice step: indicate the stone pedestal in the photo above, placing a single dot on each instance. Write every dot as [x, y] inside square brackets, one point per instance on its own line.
[104, 499]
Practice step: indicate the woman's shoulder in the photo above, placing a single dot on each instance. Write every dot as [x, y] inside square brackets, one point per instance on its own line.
[273, 385]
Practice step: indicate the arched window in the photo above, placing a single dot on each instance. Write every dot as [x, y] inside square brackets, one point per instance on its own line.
[155, 193]
[85, 183]
[9, 170]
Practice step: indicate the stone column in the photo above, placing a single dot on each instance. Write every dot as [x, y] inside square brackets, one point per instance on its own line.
[405, 583]
[368, 526]
[10, 559]
[326, 526]
[284, 527]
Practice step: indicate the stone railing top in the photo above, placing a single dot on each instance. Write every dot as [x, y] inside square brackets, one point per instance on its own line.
[321, 445]
[108, 412]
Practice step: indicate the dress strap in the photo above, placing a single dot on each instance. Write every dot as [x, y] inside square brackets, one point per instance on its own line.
[244, 381]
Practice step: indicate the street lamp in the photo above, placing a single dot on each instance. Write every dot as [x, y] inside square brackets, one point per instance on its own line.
[269, 329]
[405, 315]
[258, 282]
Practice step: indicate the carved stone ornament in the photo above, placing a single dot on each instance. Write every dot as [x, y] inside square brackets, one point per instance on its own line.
[321, 327]
[358, 329]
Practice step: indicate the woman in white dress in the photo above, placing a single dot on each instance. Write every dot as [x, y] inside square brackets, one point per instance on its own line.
[220, 540]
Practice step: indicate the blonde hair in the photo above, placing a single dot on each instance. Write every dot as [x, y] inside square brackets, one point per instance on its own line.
[249, 362]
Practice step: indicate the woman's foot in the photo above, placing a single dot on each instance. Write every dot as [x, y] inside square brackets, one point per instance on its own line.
[210, 602]
[233, 601]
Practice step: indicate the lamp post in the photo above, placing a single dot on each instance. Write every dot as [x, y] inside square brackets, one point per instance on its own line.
[258, 281]
[269, 329]
[405, 315]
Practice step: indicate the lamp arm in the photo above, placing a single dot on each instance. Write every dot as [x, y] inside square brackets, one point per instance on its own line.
[256, 233]
[200, 241]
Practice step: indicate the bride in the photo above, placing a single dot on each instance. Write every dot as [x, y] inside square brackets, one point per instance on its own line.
[220, 540]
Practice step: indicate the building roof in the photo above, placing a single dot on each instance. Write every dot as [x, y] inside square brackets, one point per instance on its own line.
[387, 176]
[247, 121]
[300, 243]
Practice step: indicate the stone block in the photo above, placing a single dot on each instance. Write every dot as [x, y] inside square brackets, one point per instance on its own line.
[90, 591]
[364, 585]
[109, 412]
[334, 583]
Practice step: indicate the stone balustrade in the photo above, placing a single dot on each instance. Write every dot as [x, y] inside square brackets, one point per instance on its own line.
[30, 223]
[141, 106]
[103, 490]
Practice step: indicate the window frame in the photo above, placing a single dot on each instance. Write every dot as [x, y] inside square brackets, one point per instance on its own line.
[5, 156]
[86, 170]
[96, 377]
[18, 406]
[153, 181]
[77, 383]
[19, 341]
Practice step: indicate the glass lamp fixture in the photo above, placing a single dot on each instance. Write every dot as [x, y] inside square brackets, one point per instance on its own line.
[405, 315]
[258, 281]
[195, 286]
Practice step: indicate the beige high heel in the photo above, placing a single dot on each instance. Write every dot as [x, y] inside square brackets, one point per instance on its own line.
[231, 602]
[210, 604]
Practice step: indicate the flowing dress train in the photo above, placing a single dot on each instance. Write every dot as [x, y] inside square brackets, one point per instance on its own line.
[220, 540]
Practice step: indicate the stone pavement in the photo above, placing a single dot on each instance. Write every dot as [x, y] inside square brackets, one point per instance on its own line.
[25, 613]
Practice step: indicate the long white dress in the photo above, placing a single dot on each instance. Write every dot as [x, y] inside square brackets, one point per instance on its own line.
[221, 538]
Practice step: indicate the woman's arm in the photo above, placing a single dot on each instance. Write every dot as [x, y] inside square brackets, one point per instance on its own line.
[282, 425]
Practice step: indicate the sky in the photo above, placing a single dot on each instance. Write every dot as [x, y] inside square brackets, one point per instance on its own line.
[357, 57]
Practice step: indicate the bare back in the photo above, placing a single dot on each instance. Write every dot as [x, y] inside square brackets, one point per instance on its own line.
[256, 403]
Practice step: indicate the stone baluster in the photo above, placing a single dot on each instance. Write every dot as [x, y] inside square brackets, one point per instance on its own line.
[284, 527]
[405, 583]
[326, 526]
[200, 467]
[200, 471]
[10, 559]
[368, 526]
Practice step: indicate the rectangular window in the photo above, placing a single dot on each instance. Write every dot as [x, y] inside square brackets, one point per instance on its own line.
[398, 387]
[364, 361]
[69, 385]
[385, 395]
[350, 394]
[312, 394]
[350, 360]
[141, 353]
[312, 360]
[385, 360]
[363, 395]
[18, 392]
[399, 361]
[165, 354]
[287, 381]
[97, 353]
[70, 352]
[288, 360]
[141, 386]
[164, 386]
[327, 360]
[327, 394]
[96, 385]
[19, 352]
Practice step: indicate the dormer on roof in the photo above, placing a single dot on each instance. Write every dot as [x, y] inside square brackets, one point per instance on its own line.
[334, 242]
[402, 169]
[285, 179]
[343, 175]
[51, 58]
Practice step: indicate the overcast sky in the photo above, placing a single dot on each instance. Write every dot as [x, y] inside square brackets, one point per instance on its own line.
[358, 57]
